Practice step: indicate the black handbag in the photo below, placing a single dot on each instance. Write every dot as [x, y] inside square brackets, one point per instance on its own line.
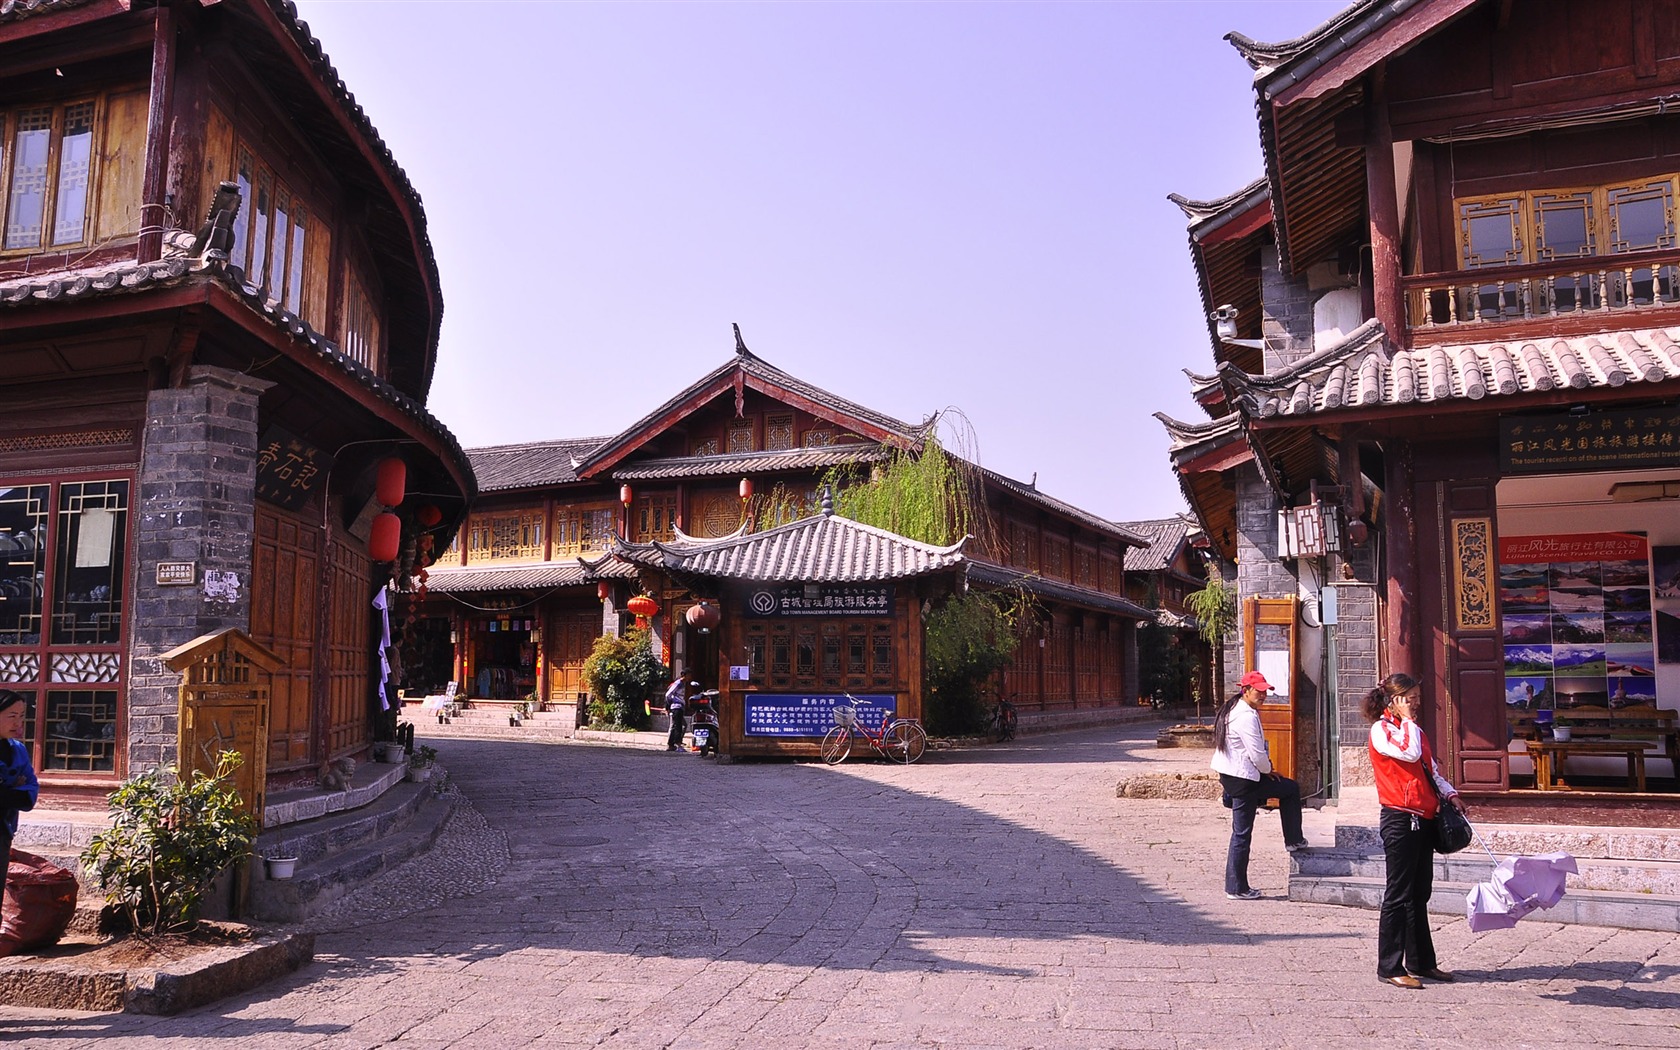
[1452, 829]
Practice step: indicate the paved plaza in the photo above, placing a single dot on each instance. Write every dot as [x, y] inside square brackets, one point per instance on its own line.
[999, 896]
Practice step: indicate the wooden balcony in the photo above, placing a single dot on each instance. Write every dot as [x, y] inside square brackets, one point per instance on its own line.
[1560, 297]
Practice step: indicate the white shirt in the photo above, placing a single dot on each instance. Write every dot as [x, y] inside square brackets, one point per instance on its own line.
[1245, 753]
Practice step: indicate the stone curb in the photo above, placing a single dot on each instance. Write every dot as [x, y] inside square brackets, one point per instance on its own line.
[202, 977]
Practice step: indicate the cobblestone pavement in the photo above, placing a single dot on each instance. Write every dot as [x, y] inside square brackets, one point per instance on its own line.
[989, 897]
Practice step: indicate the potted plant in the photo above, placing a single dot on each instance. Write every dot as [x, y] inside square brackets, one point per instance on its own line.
[391, 751]
[420, 763]
[281, 862]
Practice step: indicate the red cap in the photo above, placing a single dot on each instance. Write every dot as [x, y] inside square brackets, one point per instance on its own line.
[1256, 680]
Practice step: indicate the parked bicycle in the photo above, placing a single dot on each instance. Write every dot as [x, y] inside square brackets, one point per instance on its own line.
[897, 739]
[1003, 721]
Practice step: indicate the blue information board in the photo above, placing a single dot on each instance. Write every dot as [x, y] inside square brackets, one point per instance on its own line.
[811, 714]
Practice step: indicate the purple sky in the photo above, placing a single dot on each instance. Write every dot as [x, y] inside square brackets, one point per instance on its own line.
[915, 206]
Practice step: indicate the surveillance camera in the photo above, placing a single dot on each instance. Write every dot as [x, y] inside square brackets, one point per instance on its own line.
[1225, 313]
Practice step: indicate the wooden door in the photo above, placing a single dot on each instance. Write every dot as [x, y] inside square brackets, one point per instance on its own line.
[1270, 648]
[351, 662]
[571, 637]
[285, 592]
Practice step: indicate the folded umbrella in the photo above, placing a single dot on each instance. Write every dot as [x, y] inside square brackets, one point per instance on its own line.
[1517, 887]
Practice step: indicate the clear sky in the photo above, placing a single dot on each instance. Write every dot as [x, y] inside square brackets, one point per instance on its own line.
[913, 205]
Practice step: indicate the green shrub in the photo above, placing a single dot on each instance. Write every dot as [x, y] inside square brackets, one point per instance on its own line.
[169, 839]
[623, 675]
[970, 638]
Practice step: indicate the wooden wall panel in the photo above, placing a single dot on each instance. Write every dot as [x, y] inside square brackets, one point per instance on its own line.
[349, 646]
[218, 164]
[285, 579]
[122, 155]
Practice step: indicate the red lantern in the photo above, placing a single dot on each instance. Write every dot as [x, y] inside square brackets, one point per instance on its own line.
[393, 478]
[385, 538]
[625, 495]
[703, 616]
[642, 606]
[746, 489]
[428, 515]
[603, 589]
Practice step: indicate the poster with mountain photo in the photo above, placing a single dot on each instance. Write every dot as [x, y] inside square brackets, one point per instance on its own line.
[1578, 621]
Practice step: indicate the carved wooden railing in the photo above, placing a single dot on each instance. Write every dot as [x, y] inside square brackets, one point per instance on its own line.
[1580, 287]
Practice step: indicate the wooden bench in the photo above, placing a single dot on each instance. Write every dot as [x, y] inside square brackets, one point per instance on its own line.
[1626, 731]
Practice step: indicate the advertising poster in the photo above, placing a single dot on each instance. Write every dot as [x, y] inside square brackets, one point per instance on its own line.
[1579, 626]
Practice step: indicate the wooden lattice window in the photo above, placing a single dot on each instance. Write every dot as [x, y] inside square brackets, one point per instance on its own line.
[1056, 557]
[583, 528]
[741, 437]
[778, 433]
[715, 514]
[708, 447]
[822, 654]
[819, 437]
[655, 517]
[359, 335]
[47, 154]
[507, 535]
[1023, 546]
[1111, 574]
[1085, 567]
[271, 235]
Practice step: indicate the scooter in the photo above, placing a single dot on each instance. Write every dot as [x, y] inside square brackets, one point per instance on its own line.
[704, 729]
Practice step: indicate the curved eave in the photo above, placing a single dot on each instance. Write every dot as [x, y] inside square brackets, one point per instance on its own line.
[996, 575]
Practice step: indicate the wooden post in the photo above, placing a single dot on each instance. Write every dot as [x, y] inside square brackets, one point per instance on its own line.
[1383, 211]
[156, 174]
[1400, 613]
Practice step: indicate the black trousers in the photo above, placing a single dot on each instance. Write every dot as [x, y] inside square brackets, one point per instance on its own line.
[674, 741]
[1246, 797]
[1404, 944]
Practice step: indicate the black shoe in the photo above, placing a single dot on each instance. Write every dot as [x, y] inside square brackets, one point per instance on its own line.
[1296, 847]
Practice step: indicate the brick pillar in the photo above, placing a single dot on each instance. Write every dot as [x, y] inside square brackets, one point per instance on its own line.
[198, 470]
[1286, 322]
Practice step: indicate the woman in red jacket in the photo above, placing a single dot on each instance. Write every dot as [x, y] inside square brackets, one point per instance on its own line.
[1412, 790]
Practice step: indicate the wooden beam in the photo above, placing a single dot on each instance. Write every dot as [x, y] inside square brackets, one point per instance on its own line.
[155, 178]
[1383, 211]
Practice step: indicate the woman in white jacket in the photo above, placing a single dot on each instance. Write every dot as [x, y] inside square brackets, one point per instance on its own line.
[1245, 769]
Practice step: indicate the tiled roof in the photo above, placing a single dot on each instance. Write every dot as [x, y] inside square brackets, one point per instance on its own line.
[179, 267]
[824, 548]
[1334, 36]
[1004, 576]
[1031, 494]
[1197, 437]
[526, 577]
[1363, 373]
[750, 364]
[750, 463]
[533, 463]
[13, 10]
[1165, 536]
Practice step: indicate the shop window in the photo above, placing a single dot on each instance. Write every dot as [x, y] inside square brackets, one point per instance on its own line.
[91, 563]
[23, 563]
[580, 529]
[741, 437]
[778, 433]
[48, 154]
[81, 730]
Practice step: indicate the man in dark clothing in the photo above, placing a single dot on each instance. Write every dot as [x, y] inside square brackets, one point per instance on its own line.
[676, 705]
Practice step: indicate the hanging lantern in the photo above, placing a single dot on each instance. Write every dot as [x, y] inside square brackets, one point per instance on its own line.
[703, 616]
[428, 515]
[392, 480]
[625, 495]
[746, 489]
[603, 589]
[386, 537]
[426, 543]
[642, 606]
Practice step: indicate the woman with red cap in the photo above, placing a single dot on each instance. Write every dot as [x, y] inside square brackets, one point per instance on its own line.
[1245, 769]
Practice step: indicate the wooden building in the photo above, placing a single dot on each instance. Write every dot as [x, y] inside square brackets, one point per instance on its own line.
[1160, 577]
[218, 312]
[1443, 430]
[520, 598]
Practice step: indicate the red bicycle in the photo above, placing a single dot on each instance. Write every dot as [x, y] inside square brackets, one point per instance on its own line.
[897, 740]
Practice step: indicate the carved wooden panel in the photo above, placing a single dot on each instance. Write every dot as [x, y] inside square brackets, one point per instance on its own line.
[1473, 573]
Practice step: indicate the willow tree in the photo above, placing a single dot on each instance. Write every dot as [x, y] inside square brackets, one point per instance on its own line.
[926, 495]
[1215, 609]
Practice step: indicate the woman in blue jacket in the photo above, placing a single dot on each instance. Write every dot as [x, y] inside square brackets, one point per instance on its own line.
[18, 787]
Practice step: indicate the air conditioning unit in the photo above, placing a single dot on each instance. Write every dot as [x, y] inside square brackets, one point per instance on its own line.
[1311, 531]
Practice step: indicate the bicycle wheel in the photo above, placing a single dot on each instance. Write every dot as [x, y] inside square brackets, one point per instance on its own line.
[904, 741]
[837, 745]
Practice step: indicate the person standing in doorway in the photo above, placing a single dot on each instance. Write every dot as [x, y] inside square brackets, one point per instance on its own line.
[1411, 790]
[1244, 765]
[18, 787]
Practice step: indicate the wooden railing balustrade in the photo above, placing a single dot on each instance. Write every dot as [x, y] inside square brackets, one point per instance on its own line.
[1577, 287]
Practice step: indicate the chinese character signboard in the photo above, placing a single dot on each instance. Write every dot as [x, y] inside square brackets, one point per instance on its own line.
[288, 468]
[800, 599]
[811, 714]
[1625, 440]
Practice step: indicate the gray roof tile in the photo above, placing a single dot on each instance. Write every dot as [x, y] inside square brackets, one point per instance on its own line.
[1005, 576]
[750, 463]
[527, 577]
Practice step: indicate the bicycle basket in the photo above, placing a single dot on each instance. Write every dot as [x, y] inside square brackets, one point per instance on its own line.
[845, 716]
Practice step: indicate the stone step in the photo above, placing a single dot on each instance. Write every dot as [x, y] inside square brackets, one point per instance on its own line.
[340, 851]
[1630, 911]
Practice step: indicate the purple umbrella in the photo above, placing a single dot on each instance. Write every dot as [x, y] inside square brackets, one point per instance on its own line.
[1518, 886]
